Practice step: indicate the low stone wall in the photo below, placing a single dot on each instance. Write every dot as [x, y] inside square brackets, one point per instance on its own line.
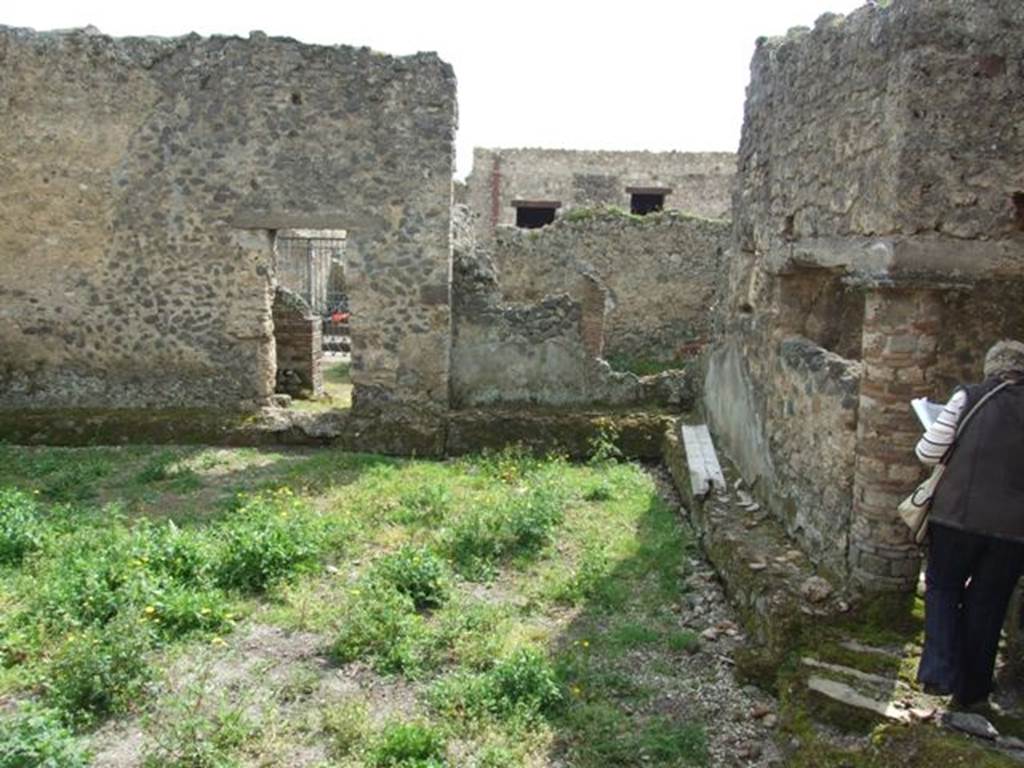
[788, 416]
[399, 431]
[524, 353]
[298, 337]
[776, 588]
[662, 274]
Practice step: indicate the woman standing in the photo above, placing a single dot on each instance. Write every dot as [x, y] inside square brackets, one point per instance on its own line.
[976, 528]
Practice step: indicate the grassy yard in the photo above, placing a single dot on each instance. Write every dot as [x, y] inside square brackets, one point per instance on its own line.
[212, 607]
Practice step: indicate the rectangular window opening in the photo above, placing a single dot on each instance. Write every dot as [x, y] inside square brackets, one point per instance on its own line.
[644, 200]
[535, 214]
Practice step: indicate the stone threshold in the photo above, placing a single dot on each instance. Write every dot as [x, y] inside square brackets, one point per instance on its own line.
[398, 431]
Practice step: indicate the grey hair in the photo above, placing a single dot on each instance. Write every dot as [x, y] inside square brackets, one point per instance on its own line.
[1004, 357]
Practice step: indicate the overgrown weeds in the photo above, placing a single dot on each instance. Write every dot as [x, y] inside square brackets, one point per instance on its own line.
[270, 537]
[198, 728]
[21, 529]
[417, 573]
[521, 686]
[503, 593]
[409, 745]
[99, 670]
[516, 526]
[92, 601]
[37, 737]
[381, 626]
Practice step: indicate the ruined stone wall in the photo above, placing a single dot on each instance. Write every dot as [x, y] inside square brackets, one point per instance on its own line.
[143, 179]
[898, 120]
[542, 352]
[877, 252]
[785, 410]
[662, 274]
[700, 182]
[970, 321]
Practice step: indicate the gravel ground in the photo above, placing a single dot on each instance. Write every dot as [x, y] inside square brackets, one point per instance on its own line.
[741, 720]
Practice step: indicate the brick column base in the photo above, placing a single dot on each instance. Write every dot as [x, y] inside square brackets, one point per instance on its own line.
[298, 337]
[899, 343]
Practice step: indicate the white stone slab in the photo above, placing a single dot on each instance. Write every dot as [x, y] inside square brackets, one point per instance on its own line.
[705, 471]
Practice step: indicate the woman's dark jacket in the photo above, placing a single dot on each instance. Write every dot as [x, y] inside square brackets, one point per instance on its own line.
[982, 489]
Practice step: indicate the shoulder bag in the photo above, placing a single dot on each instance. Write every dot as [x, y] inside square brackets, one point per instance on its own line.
[915, 508]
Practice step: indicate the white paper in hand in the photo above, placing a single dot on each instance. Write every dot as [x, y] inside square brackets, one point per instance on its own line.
[925, 410]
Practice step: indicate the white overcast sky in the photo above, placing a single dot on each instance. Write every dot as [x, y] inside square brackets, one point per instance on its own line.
[653, 75]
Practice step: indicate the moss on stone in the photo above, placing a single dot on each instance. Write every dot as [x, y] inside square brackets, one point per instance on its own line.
[895, 746]
[615, 213]
[114, 426]
[833, 652]
[395, 431]
[636, 435]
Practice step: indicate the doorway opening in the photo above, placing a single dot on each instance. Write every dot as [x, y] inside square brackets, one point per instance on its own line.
[312, 318]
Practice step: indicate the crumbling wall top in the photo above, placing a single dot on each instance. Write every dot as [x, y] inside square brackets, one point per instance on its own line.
[894, 121]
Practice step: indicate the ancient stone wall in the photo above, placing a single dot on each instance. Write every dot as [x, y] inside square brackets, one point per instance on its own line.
[897, 120]
[542, 352]
[877, 252]
[698, 183]
[785, 409]
[662, 274]
[143, 179]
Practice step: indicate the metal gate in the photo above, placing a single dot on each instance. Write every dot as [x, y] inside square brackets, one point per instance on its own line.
[311, 264]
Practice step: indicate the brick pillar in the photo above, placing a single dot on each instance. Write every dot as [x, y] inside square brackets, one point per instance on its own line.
[592, 301]
[298, 338]
[495, 192]
[901, 327]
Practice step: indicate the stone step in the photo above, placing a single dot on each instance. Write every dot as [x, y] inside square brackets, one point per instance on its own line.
[869, 678]
[852, 699]
[864, 694]
[889, 651]
[848, 696]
